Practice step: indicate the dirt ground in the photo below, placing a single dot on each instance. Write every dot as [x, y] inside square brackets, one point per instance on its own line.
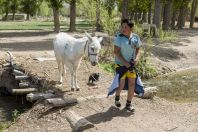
[150, 115]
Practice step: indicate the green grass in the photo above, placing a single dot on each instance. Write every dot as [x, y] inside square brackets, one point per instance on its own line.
[178, 87]
[3, 125]
[39, 25]
[107, 67]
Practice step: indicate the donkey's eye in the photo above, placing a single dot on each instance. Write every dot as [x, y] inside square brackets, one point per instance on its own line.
[92, 49]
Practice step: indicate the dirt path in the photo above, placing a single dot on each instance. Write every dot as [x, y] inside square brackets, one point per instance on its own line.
[150, 115]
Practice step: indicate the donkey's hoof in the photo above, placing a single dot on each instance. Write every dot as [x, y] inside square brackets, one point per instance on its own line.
[77, 89]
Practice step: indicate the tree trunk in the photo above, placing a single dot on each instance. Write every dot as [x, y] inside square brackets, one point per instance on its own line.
[157, 13]
[136, 17]
[56, 20]
[98, 26]
[167, 15]
[149, 13]
[72, 16]
[125, 9]
[193, 12]
[181, 17]
[174, 16]
[28, 17]
[144, 19]
[13, 16]
[6, 15]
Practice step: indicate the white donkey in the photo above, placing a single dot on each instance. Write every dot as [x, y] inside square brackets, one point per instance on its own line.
[69, 51]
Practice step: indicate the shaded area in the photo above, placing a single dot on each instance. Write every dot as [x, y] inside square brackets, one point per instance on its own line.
[167, 53]
[25, 33]
[27, 46]
[10, 103]
[108, 115]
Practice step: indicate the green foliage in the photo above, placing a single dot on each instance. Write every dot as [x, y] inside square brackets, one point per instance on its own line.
[144, 67]
[44, 9]
[3, 125]
[109, 67]
[167, 36]
[15, 114]
[30, 6]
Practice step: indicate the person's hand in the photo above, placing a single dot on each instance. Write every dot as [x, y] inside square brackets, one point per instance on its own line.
[135, 61]
[127, 65]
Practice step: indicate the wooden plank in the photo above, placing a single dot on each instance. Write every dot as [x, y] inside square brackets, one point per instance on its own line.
[23, 91]
[21, 77]
[17, 72]
[24, 84]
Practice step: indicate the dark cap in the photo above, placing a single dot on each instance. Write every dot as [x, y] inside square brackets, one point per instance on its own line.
[130, 24]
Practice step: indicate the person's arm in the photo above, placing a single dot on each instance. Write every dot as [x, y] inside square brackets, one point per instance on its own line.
[120, 57]
[137, 55]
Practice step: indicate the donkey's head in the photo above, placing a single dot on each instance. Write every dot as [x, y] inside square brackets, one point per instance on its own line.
[93, 48]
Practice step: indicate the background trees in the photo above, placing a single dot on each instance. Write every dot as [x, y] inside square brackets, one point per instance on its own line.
[168, 14]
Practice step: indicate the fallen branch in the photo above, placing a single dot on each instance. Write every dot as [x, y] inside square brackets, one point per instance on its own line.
[58, 102]
[37, 96]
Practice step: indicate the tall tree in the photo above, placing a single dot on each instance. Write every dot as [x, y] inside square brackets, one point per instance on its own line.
[182, 14]
[193, 12]
[56, 5]
[167, 14]
[125, 4]
[98, 25]
[157, 13]
[72, 15]
[6, 8]
[30, 7]
[149, 11]
[14, 7]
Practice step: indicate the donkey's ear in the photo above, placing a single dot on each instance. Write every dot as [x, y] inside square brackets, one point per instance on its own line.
[100, 39]
[88, 36]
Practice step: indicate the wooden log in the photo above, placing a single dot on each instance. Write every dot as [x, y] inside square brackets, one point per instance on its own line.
[149, 92]
[24, 84]
[11, 57]
[6, 65]
[23, 91]
[21, 77]
[58, 102]
[32, 97]
[17, 72]
[78, 123]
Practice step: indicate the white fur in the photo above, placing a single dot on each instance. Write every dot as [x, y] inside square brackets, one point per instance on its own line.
[69, 51]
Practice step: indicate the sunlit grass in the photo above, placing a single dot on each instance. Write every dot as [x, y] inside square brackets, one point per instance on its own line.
[179, 87]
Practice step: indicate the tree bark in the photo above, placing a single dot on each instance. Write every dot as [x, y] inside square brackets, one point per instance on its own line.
[193, 12]
[28, 17]
[167, 15]
[157, 13]
[173, 20]
[72, 16]
[144, 19]
[98, 26]
[150, 12]
[77, 122]
[56, 20]
[125, 9]
[182, 14]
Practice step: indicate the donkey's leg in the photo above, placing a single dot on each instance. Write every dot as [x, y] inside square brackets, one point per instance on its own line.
[60, 65]
[76, 66]
[71, 69]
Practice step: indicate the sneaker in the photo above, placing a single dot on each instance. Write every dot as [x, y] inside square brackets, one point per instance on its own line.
[117, 103]
[129, 107]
